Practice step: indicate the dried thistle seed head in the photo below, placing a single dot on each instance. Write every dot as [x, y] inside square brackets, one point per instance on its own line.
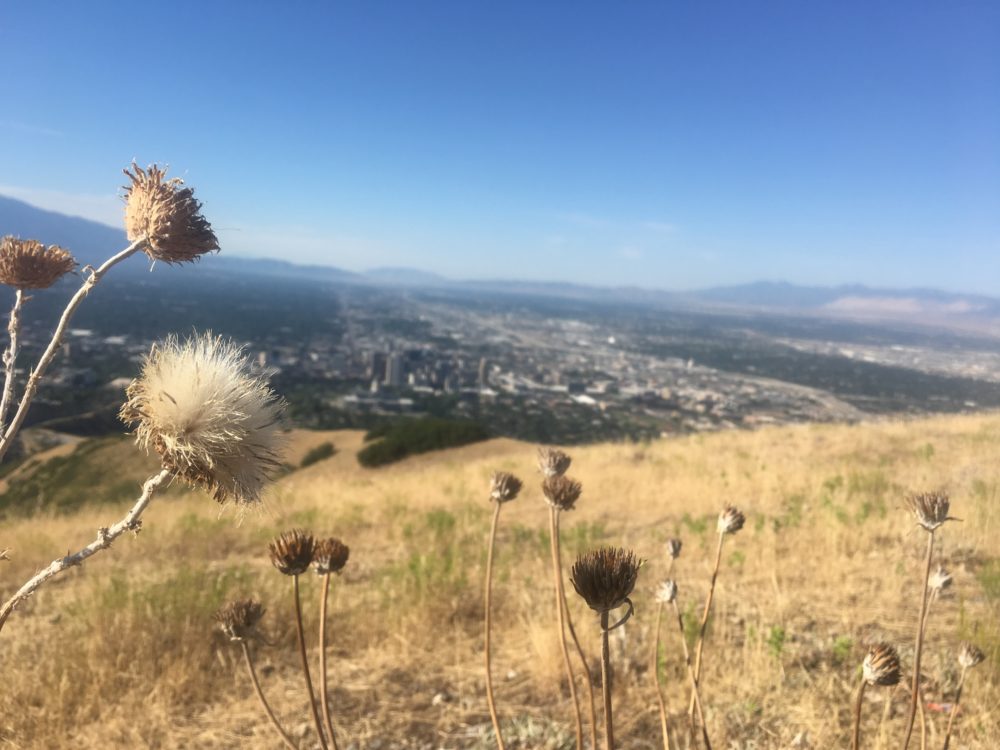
[881, 665]
[330, 556]
[504, 486]
[561, 492]
[939, 580]
[28, 264]
[292, 552]
[666, 592]
[553, 462]
[930, 509]
[730, 521]
[970, 655]
[167, 215]
[211, 420]
[239, 619]
[673, 548]
[605, 577]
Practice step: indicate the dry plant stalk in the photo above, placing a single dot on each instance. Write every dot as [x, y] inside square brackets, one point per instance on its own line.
[968, 657]
[665, 594]
[330, 557]
[10, 356]
[880, 667]
[690, 670]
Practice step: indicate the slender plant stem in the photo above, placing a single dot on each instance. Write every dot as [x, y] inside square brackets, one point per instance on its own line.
[305, 663]
[694, 681]
[560, 614]
[263, 700]
[656, 676]
[489, 624]
[609, 730]
[954, 709]
[52, 349]
[324, 698]
[576, 641]
[856, 737]
[915, 690]
[704, 622]
[105, 536]
[10, 356]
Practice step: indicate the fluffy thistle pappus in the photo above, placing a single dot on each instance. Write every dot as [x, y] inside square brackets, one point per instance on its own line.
[167, 215]
[674, 548]
[730, 520]
[881, 665]
[504, 486]
[930, 509]
[969, 655]
[28, 264]
[666, 592]
[552, 462]
[239, 619]
[561, 492]
[330, 555]
[212, 422]
[292, 552]
[939, 580]
[605, 577]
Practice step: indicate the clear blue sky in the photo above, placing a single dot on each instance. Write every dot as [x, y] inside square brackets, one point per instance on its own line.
[668, 144]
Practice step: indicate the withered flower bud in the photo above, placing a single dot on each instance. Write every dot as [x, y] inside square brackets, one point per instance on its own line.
[666, 592]
[167, 215]
[881, 665]
[930, 509]
[561, 492]
[553, 462]
[504, 486]
[605, 577]
[970, 655]
[673, 548]
[292, 552]
[28, 264]
[730, 521]
[330, 556]
[239, 619]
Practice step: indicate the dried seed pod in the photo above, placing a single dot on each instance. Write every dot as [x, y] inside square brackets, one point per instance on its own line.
[730, 521]
[970, 655]
[504, 486]
[881, 665]
[292, 552]
[666, 592]
[28, 264]
[930, 509]
[553, 462]
[330, 555]
[561, 492]
[605, 577]
[239, 619]
[673, 548]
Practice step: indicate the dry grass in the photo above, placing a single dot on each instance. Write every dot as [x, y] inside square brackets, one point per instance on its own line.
[123, 652]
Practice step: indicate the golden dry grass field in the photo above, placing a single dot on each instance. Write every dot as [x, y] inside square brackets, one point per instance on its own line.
[123, 652]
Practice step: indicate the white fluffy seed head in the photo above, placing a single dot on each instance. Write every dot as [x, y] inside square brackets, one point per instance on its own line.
[212, 421]
[666, 592]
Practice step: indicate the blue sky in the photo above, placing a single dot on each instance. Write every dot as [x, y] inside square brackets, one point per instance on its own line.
[664, 144]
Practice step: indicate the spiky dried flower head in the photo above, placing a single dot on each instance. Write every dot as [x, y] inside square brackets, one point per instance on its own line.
[167, 215]
[28, 264]
[730, 521]
[605, 577]
[239, 619]
[561, 492]
[292, 552]
[330, 555]
[553, 462]
[211, 420]
[970, 655]
[930, 509]
[504, 486]
[673, 548]
[939, 580]
[881, 665]
[666, 592]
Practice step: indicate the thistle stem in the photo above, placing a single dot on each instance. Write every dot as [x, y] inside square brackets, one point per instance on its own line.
[609, 731]
[856, 737]
[560, 613]
[954, 709]
[324, 698]
[656, 676]
[915, 690]
[694, 681]
[10, 356]
[262, 699]
[489, 624]
[704, 621]
[305, 663]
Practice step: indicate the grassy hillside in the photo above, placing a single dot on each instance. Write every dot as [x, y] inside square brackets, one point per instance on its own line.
[123, 652]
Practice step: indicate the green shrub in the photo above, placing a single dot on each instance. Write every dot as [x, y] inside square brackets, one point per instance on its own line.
[412, 436]
[319, 453]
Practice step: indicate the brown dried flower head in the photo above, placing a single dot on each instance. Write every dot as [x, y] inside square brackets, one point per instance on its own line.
[504, 486]
[330, 556]
[167, 215]
[666, 592]
[730, 521]
[561, 492]
[239, 619]
[930, 509]
[28, 264]
[605, 577]
[939, 580]
[970, 655]
[881, 665]
[553, 462]
[292, 552]
[673, 548]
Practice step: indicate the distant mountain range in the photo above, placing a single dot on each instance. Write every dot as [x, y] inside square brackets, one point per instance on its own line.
[92, 243]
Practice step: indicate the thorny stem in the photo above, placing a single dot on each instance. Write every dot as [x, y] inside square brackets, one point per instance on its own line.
[694, 681]
[324, 699]
[915, 690]
[10, 356]
[656, 676]
[105, 536]
[704, 621]
[263, 700]
[305, 663]
[954, 709]
[57, 336]
[856, 736]
[489, 624]
[576, 642]
[609, 731]
[560, 613]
